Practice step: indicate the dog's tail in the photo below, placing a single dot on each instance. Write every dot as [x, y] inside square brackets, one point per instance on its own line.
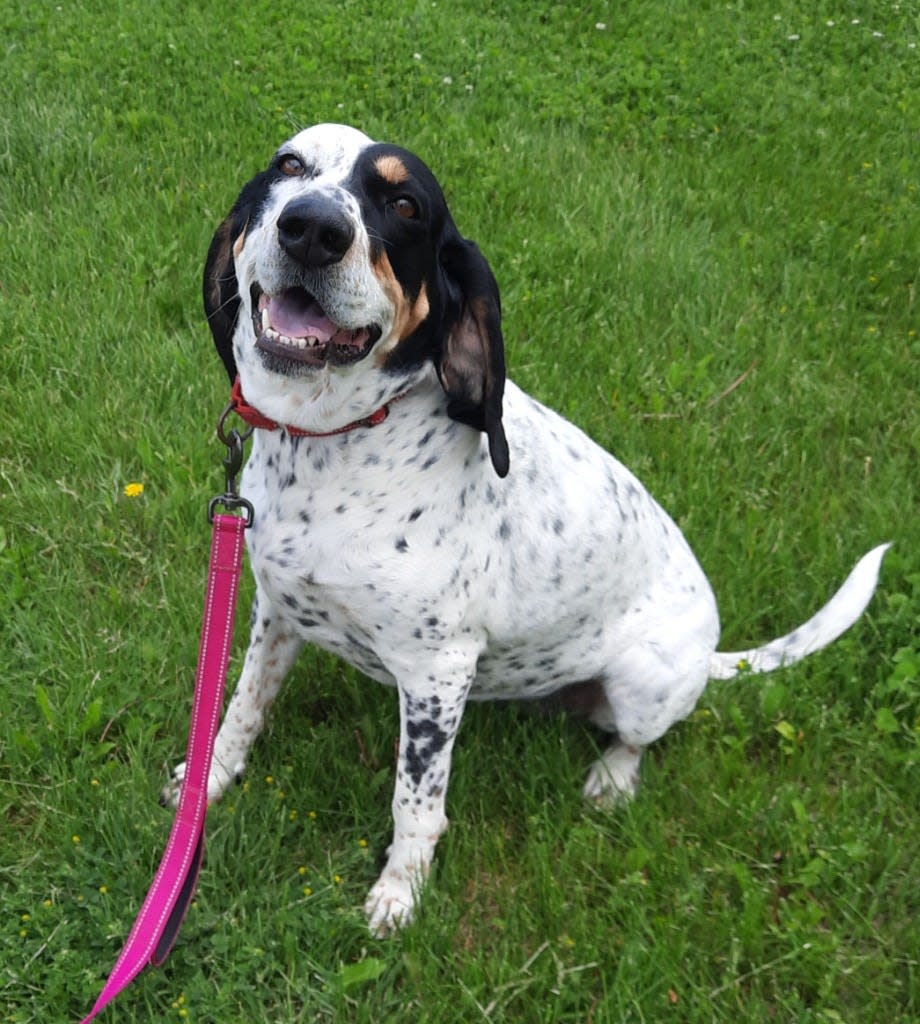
[843, 609]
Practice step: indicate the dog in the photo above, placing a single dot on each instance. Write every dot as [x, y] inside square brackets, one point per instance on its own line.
[422, 518]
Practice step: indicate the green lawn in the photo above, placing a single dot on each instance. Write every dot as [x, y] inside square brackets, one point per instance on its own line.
[704, 219]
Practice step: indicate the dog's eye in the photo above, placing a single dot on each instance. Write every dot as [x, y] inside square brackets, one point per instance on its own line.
[405, 207]
[291, 165]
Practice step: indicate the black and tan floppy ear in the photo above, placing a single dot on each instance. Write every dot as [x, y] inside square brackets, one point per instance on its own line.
[220, 286]
[221, 293]
[472, 359]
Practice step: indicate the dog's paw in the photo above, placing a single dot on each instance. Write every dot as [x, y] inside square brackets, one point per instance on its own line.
[614, 777]
[219, 780]
[390, 904]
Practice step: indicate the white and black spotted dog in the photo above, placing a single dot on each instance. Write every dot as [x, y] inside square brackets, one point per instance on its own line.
[472, 545]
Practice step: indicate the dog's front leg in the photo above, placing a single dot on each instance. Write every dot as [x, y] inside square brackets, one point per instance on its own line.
[430, 709]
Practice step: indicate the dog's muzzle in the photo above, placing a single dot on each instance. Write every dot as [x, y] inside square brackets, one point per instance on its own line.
[294, 333]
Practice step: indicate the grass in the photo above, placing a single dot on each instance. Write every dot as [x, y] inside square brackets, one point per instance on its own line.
[704, 220]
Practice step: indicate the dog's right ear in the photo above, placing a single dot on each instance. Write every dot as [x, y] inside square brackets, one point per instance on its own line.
[220, 286]
[221, 293]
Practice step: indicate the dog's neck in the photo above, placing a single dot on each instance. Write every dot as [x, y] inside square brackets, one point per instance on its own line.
[250, 414]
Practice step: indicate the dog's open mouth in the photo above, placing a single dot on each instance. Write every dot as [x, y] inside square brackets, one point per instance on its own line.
[293, 327]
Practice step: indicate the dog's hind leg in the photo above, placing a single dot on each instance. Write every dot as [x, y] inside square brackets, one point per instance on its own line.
[644, 694]
[614, 776]
[273, 647]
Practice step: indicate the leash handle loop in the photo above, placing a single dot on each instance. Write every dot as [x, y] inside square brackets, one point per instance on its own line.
[172, 888]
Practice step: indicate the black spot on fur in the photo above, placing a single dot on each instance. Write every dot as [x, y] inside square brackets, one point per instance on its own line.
[426, 740]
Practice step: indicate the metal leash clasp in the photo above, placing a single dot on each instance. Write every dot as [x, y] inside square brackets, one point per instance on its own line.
[233, 463]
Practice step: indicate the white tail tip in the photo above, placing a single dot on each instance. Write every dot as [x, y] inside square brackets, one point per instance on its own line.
[843, 609]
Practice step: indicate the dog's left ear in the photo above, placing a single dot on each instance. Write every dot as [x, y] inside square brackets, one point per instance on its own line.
[471, 367]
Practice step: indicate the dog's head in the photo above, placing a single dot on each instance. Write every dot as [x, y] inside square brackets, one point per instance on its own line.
[339, 276]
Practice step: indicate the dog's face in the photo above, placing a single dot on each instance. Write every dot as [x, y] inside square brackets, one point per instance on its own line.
[339, 277]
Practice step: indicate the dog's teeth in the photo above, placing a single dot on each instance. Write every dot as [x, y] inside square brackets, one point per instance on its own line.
[266, 321]
[271, 334]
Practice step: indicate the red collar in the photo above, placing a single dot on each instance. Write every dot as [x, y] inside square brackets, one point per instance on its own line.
[249, 414]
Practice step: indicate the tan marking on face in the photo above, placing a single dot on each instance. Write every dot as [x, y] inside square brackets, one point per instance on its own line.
[392, 169]
[406, 315]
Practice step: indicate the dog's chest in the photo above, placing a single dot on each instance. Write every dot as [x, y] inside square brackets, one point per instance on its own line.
[351, 545]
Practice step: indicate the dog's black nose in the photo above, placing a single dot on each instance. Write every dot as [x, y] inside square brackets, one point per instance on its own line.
[315, 231]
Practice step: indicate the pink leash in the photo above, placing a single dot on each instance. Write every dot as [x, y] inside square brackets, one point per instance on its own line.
[163, 910]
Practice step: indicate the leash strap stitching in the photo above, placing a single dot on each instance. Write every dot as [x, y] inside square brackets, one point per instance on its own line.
[158, 921]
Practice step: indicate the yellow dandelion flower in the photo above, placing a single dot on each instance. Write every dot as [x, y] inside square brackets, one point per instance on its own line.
[134, 490]
[75, 840]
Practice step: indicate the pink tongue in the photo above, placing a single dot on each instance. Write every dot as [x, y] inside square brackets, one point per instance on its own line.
[296, 314]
